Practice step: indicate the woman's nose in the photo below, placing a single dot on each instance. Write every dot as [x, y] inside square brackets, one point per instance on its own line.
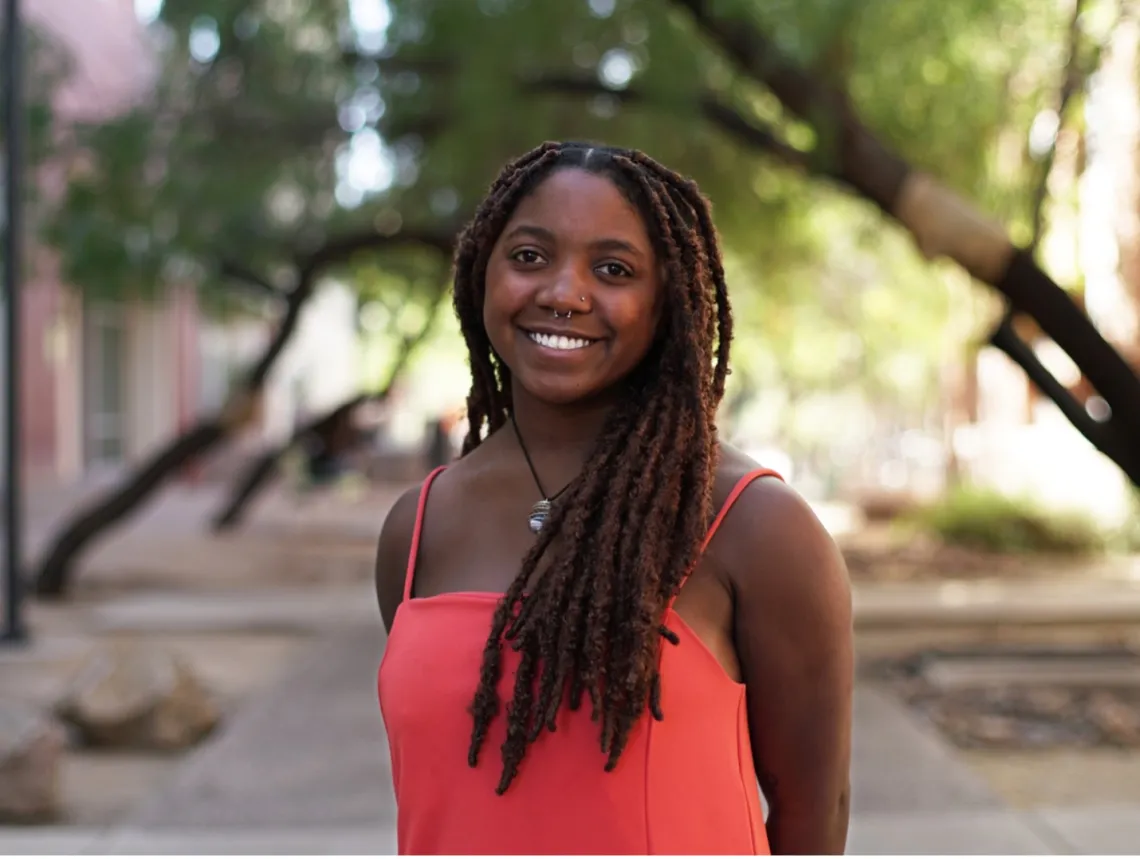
[567, 290]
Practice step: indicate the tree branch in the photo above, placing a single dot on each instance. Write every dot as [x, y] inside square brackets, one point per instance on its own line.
[395, 65]
[847, 150]
[1101, 435]
[747, 131]
[1072, 77]
[340, 248]
[334, 251]
[237, 271]
[942, 223]
[104, 512]
[262, 470]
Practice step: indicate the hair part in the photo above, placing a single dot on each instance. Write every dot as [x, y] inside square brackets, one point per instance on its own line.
[586, 611]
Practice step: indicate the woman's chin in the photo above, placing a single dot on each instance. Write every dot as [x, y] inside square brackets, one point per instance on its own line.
[563, 390]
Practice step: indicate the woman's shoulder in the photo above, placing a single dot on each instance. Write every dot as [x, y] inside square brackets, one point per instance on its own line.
[758, 490]
[733, 465]
[769, 520]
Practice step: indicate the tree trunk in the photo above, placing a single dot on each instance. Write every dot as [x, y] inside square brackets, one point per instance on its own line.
[56, 570]
[263, 470]
[941, 222]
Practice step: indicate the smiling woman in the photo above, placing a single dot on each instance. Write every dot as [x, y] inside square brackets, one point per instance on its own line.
[713, 649]
[574, 268]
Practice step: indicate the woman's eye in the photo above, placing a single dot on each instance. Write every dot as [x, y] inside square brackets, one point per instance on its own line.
[527, 256]
[615, 269]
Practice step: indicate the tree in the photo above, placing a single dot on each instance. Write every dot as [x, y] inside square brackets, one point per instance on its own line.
[755, 84]
[942, 224]
[264, 112]
[232, 171]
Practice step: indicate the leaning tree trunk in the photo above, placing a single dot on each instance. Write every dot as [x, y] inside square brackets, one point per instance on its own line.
[264, 469]
[55, 571]
[941, 222]
[1005, 337]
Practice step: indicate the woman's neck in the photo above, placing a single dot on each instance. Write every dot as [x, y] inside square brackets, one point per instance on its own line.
[558, 438]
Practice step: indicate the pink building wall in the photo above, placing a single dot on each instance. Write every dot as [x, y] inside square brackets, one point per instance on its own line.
[113, 65]
[40, 305]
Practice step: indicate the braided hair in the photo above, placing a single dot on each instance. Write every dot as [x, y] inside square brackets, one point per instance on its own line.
[586, 611]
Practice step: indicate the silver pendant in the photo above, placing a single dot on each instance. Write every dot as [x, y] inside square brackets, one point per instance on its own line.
[538, 515]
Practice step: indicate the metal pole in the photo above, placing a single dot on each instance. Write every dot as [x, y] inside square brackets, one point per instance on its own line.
[14, 630]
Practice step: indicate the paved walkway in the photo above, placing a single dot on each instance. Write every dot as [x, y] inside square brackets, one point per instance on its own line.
[303, 769]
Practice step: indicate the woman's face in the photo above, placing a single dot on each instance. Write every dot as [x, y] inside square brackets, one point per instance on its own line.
[573, 288]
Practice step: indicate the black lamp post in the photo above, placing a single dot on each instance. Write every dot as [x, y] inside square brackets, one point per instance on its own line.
[12, 84]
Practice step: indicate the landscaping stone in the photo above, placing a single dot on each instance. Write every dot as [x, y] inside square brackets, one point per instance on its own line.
[128, 696]
[31, 748]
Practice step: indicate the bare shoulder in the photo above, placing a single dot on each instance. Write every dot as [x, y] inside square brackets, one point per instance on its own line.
[451, 491]
[771, 541]
[392, 552]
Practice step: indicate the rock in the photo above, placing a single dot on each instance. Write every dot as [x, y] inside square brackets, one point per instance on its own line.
[994, 730]
[1050, 700]
[1119, 721]
[31, 749]
[125, 696]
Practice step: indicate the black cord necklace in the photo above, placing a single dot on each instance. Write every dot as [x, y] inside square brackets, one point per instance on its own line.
[541, 510]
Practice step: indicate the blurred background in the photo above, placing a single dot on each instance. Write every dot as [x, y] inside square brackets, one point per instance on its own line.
[234, 348]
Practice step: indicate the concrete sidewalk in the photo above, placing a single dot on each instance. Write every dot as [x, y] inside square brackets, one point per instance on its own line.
[986, 602]
[303, 768]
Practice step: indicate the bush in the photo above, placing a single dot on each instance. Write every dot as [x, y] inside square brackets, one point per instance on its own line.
[984, 519]
[1127, 539]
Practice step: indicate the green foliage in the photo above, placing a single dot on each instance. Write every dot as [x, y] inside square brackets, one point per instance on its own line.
[236, 157]
[984, 519]
[1127, 537]
[241, 155]
[46, 67]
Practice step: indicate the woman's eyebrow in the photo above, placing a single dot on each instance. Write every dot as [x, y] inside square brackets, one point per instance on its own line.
[543, 234]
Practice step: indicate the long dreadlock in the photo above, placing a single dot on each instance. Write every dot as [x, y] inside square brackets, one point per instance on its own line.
[631, 525]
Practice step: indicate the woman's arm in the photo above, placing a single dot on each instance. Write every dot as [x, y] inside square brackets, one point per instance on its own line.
[793, 634]
[392, 554]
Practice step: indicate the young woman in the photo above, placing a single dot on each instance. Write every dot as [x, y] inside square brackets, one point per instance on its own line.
[604, 625]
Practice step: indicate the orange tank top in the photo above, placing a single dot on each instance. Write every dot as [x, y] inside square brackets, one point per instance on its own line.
[686, 784]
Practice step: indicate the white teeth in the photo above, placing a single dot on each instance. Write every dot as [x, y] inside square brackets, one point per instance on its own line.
[552, 341]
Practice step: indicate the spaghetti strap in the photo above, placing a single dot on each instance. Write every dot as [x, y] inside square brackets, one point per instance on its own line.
[740, 486]
[409, 576]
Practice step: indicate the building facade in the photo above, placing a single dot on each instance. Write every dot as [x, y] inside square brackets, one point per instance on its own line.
[102, 382]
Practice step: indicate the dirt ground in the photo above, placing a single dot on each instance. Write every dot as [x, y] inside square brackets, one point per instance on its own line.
[1037, 744]
[881, 553]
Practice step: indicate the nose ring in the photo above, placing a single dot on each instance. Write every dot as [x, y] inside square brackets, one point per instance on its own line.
[558, 315]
